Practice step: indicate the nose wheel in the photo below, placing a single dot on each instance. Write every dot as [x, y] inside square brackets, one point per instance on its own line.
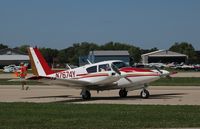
[123, 93]
[144, 94]
[86, 94]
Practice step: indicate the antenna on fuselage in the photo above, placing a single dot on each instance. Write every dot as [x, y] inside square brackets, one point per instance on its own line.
[68, 66]
[89, 61]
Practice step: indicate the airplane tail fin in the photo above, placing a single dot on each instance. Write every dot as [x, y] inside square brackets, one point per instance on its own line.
[38, 63]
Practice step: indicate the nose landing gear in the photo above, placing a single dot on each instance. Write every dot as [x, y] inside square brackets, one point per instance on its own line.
[144, 94]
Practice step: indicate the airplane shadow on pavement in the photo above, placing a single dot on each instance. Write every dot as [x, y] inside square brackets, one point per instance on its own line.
[72, 99]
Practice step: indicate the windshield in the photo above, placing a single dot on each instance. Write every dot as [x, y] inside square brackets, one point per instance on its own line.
[120, 64]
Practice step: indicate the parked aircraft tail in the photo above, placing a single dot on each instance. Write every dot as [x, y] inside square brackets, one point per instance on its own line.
[38, 63]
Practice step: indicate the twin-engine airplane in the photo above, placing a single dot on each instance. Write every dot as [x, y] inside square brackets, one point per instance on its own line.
[106, 75]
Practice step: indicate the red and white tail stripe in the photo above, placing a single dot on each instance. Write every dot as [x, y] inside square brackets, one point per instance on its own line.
[38, 63]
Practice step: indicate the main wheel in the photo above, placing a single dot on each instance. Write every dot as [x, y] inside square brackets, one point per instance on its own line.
[123, 93]
[86, 95]
[144, 94]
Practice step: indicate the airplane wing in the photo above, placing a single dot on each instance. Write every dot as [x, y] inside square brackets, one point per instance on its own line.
[79, 84]
[59, 81]
[74, 83]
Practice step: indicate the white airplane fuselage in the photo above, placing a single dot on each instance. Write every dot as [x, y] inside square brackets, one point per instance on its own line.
[106, 75]
[134, 78]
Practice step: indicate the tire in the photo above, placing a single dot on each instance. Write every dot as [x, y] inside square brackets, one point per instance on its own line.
[123, 93]
[86, 95]
[144, 94]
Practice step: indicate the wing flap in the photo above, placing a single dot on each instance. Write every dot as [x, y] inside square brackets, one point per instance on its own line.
[73, 83]
[64, 82]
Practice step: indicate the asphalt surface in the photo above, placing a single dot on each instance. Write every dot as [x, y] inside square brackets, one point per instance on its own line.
[160, 95]
[179, 74]
[187, 74]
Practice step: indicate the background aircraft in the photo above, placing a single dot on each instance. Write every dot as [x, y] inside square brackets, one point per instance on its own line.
[106, 75]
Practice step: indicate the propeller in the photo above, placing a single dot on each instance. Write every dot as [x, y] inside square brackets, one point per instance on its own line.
[158, 70]
[163, 73]
[115, 68]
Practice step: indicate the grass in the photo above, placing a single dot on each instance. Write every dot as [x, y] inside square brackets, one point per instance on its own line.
[177, 81]
[80, 116]
[181, 70]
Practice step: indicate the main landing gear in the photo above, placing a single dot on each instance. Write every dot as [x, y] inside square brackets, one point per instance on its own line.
[86, 94]
[143, 94]
[123, 93]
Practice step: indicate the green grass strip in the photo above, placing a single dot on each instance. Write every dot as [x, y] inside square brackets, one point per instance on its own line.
[80, 116]
[177, 81]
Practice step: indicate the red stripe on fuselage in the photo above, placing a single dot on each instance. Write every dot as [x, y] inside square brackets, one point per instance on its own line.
[93, 75]
[44, 64]
[135, 71]
[82, 74]
[142, 75]
[130, 69]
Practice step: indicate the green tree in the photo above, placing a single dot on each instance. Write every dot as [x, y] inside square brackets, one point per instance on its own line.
[49, 54]
[62, 56]
[135, 52]
[23, 48]
[2, 46]
[135, 55]
[71, 54]
[143, 51]
[115, 46]
[185, 48]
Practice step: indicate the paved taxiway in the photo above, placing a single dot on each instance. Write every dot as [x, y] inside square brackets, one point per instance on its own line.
[161, 95]
[179, 74]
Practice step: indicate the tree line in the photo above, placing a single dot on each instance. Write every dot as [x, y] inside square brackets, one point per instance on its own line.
[71, 54]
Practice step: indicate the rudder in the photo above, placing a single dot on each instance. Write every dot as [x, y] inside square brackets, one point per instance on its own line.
[38, 63]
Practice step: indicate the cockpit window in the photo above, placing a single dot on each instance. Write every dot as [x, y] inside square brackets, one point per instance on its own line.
[92, 69]
[104, 67]
[120, 64]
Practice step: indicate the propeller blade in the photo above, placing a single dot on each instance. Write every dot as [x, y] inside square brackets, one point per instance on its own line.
[158, 70]
[115, 69]
[128, 79]
[122, 75]
[171, 73]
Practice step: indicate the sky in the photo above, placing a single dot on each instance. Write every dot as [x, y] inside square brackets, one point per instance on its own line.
[60, 23]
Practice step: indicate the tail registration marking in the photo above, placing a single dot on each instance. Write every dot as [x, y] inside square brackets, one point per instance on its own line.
[65, 74]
